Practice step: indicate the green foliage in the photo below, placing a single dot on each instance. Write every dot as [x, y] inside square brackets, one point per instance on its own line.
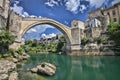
[34, 43]
[84, 41]
[6, 39]
[114, 32]
[60, 44]
[34, 47]
[28, 42]
[104, 40]
[98, 40]
[20, 51]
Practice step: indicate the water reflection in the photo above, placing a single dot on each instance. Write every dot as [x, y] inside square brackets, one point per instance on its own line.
[77, 68]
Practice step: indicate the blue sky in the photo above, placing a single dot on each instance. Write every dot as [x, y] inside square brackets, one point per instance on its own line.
[64, 11]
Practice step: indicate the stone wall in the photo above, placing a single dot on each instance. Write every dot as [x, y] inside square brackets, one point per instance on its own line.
[15, 24]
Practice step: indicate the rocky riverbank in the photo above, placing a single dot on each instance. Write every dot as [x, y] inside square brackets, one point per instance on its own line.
[19, 58]
[8, 70]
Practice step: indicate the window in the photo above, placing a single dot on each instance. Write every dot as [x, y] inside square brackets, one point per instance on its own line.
[108, 13]
[113, 12]
[114, 19]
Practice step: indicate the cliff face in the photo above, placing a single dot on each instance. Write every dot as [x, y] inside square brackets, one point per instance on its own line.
[4, 11]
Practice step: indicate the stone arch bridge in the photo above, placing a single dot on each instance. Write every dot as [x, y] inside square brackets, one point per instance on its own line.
[19, 26]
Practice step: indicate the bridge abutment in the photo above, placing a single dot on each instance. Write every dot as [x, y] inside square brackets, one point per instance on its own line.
[77, 33]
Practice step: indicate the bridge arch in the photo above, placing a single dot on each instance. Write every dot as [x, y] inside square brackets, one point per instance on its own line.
[28, 23]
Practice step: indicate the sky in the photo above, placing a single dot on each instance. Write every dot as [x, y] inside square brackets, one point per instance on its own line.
[63, 11]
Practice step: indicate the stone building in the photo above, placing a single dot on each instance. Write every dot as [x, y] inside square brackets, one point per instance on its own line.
[113, 13]
[97, 23]
[102, 18]
[95, 13]
[4, 12]
[93, 28]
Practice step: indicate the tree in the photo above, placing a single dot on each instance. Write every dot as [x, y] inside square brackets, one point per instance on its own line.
[98, 40]
[114, 32]
[6, 39]
[84, 41]
[60, 44]
[28, 42]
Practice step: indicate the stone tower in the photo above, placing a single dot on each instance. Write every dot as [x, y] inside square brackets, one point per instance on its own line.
[77, 32]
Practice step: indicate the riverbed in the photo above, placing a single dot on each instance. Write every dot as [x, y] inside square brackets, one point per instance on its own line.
[74, 68]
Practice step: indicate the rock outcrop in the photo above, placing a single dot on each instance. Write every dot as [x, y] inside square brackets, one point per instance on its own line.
[44, 68]
[7, 69]
[13, 76]
[18, 58]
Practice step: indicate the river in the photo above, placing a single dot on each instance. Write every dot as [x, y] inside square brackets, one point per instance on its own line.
[74, 68]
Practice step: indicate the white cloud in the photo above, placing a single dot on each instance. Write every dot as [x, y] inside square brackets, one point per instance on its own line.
[33, 16]
[73, 5]
[49, 4]
[39, 29]
[31, 30]
[20, 10]
[26, 14]
[66, 22]
[115, 1]
[96, 3]
[82, 8]
[35, 32]
[39, 16]
[49, 35]
[52, 3]
[17, 8]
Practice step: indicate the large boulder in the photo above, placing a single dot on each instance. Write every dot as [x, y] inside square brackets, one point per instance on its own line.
[25, 56]
[15, 60]
[34, 70]
[45, 68]
[13, 76]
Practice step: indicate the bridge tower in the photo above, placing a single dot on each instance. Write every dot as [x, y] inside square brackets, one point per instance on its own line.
[77, 33]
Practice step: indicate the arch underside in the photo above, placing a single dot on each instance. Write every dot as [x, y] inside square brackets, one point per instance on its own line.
[60, 27]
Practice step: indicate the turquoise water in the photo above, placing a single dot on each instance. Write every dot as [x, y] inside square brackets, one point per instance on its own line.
[74, 68]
